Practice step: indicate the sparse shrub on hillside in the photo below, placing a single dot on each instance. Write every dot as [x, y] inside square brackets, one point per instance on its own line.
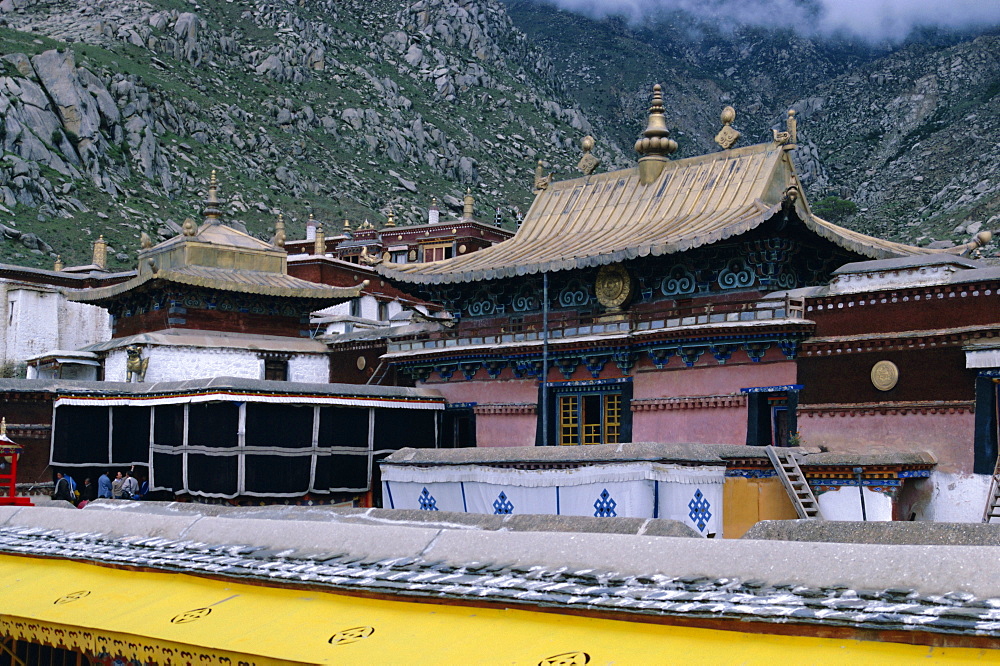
[834, 209]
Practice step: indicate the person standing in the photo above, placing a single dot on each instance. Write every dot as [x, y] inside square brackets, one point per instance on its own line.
[104, 485]
[62, 490]
[89, 491]
[116, 486]
[130, 487]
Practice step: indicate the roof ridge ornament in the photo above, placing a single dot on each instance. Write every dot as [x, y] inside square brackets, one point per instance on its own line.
[656, 143]
[212, 212]
[391, 221]
[728, 135]
[588, 163]
[279, 231]
[468, 205]
[541, 180]
[790, 135]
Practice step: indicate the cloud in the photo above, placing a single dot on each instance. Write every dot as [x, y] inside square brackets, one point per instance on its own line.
[872, 20]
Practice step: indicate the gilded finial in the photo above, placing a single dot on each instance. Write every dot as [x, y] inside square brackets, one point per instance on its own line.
[469, 205]
[279, 231]
[59, 263]
[347, 226]
[541, 180]
[319, 244]
[656, 143]
[727, 136]
[189, 227]
[145, 242]
[391, 222]
[588, 163]
[3, 427]
[792, 126]
[101, 253]
[212, 212]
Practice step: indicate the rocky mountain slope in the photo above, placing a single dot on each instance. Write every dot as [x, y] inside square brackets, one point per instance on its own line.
[902, 131]
[115, 112]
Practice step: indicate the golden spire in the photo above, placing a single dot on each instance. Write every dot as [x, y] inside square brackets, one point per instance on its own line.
[279, 231]
[101, 253]
[319, 244]
[391, 222]
[347, 226]
[587, 162]
[792, 125]
[656, 143]
[467, 209]
[212, 211]
[59, 263]
[727, 136]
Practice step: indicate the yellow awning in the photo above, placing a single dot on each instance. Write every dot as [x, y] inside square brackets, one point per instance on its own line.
[173, 618]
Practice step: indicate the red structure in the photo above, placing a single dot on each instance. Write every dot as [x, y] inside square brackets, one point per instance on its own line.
[9, 452]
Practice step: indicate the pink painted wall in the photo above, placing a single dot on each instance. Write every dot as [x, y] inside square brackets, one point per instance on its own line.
[488, 392]
[505, 429]
[711, 379]
[948, 436]
[721, 425]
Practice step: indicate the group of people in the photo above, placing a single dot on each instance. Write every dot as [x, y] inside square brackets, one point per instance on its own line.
[125, 485]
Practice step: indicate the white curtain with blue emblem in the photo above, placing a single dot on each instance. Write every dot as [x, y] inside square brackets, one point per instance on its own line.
[425, 496]
[630, 499]
[691, 494]
[509, 499]
[697, 504]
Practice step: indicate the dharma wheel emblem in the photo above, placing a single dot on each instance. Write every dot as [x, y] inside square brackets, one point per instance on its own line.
[885, 374]
[614, 286]
[566, 659]
[352, 635]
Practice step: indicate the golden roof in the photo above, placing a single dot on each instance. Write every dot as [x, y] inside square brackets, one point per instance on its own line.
[215, 256]
[611, 217]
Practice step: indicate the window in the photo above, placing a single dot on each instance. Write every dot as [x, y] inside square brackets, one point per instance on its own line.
[399, 257]
[590, 418]
[437, 252]
[276, 370]
[356, 307]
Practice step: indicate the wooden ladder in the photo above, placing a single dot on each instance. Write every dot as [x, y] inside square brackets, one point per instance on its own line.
[993, 499]
[381, 370]
[795, 483]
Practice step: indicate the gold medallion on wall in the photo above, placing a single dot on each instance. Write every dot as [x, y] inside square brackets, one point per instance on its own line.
[614, 286]
[885, 374]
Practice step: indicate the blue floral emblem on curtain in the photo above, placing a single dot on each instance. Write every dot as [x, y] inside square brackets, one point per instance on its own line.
[427, 501]
[699, 514]
[605, 505]
[502, 505]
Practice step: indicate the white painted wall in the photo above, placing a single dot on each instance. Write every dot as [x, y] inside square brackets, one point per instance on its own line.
[37, 319]
[956, 498]
[845, 504]
[171, 364]
[311, 369]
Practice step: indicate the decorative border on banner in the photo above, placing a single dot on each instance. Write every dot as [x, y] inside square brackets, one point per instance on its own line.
[772, 389]
[638, 471]
[873, 408]
[689, 402]
[93, 643]
[230, 396]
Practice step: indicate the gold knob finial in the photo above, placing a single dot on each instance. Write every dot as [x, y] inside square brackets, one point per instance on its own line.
[59, 263]
[727, 136]
[655, 144]
[588, 163]
[391, 222]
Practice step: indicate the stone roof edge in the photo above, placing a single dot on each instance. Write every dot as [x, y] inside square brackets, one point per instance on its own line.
[928, 569]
